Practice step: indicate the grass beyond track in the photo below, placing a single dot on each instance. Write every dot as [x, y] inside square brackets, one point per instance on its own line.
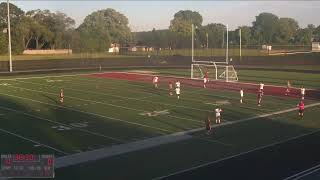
[102, 113]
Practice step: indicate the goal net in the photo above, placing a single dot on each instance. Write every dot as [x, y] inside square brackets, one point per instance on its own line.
[215, 71]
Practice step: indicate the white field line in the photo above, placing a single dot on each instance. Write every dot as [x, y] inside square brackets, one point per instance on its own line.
[53, 76]
[180, 77]
[304, 173]
[186, 92]
[137, 99]
[98, 102]
[188, 119]
[212, 141]
[33, 141]
[237, 155]
[110, 94]
[104, 72]
[146, 97]
[67, 125]
[151, 142]
[89, 113]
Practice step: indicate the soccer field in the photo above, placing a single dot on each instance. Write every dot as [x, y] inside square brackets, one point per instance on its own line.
[122, 128]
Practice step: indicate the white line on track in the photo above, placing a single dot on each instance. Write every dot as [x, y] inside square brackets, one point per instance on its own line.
[89, 113]
[304, 173]
[55, 122]
[212, 140]
[33, 141]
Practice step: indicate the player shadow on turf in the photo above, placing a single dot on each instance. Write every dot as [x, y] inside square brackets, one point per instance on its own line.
[52, 99]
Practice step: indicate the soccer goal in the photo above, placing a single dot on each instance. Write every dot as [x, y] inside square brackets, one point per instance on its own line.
[216, 71]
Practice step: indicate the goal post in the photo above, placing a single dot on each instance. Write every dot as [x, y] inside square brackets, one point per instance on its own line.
[216, 71]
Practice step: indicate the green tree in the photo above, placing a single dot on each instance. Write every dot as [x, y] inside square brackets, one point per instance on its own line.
[99, 29]
[287, 29]
[15, 15]
[265, 27]
[58, 24]
[246, 36]
[303, 37]
[181, 23]
[215, 32]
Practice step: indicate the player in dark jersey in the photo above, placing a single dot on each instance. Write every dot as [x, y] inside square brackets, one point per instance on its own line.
[259, 97]
[208, 125]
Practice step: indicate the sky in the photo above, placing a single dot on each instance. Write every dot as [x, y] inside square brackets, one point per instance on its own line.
[146, 15]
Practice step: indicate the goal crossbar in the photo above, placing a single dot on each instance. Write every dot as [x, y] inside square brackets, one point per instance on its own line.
[216, 71]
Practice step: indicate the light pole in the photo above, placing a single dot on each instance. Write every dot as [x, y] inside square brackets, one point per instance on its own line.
[227, 50]
[240, 53]
[192, 43]
[9, 34]
[207, 41]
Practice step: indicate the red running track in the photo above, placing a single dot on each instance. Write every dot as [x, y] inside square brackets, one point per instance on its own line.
[220, 85]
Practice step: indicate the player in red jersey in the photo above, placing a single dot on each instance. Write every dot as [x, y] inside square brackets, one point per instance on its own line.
[205, 79]
[155, 81]
[208, 125]
[301, 108]
[61, 96]
[259, 97]
[170, 88]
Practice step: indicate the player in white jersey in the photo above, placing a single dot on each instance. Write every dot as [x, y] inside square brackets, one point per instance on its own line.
[178, 92]
[218, 115]
[241, 95]
[261, 86]
[155, 81]
[205, 79]
[178, 84]
[303, 92]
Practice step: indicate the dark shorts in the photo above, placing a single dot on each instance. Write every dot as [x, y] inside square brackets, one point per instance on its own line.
[301, 110]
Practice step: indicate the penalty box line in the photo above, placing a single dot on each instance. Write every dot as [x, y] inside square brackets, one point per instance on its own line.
[33, 141]
[151, 142]
[247, 152]
[92, 114]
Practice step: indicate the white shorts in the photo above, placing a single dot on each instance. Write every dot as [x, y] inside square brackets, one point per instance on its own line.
[217, 115]
[177, 91]
[205, 80]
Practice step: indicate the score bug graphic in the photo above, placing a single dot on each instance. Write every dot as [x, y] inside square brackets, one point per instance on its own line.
[27, 166]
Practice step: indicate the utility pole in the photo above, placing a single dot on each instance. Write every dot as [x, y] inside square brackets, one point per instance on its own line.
[240, 53]
[9, 34]
[227, 50]
[192, 43]
[207, 41]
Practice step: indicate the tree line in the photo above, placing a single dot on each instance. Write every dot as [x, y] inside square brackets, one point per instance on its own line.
[266, 29]
[43, 29]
